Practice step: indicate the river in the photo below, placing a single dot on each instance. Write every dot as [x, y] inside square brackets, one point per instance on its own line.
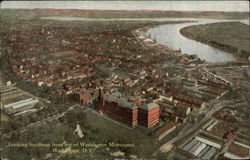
[169, 35]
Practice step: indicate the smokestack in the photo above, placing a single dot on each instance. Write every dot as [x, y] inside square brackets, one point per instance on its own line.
[101, 93]
[100, 100]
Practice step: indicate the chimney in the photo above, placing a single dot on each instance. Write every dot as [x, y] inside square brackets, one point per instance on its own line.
[137, 102]
[100, 100]
[101, 93]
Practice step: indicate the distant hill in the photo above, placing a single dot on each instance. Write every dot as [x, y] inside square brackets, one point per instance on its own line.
[33, 13]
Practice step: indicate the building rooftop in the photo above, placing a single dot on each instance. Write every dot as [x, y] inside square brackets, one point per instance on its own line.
[248, 71]
[122, 101]
[165, 128]
[149, 106]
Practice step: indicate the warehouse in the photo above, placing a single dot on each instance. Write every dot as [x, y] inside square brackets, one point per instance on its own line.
[200, 147]
[21, 105]
[16, 101]
[208, 142]
[209, 153]
[165, 130]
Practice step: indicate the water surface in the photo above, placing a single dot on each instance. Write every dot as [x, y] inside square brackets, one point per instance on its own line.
[169, 35]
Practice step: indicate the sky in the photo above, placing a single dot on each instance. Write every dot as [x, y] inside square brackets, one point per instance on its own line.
[133, 5]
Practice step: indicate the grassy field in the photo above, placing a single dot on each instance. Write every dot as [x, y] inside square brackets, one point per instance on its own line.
[229, 36]
[96, 129]
[114, 132]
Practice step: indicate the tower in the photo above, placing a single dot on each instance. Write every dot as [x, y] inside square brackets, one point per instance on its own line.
[100, 100]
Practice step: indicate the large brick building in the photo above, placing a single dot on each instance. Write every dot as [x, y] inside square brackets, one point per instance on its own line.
[148, 115]
[127, 111]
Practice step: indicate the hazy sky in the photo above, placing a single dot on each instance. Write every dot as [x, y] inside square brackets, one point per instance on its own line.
[134, 5]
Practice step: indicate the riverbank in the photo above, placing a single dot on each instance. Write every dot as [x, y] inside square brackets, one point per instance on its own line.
[232, 37]
[148, 42]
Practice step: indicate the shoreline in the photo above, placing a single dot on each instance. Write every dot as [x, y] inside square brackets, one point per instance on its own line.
[179, 53]
[161, 47]
[191, 36]
[167, 50]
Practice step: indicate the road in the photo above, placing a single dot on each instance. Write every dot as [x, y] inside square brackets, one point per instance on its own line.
[225, 148]
[230, 141]
[208, 113]
[139, 40]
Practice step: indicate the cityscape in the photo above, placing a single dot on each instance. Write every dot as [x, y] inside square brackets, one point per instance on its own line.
[124, 84]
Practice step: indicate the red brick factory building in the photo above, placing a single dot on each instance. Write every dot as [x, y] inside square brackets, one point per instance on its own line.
[130, 112]
[148, 115]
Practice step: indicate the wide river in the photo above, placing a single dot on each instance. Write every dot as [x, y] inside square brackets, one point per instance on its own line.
[169, 35]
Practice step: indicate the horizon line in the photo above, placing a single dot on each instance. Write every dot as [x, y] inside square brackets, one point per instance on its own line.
[139, 10]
